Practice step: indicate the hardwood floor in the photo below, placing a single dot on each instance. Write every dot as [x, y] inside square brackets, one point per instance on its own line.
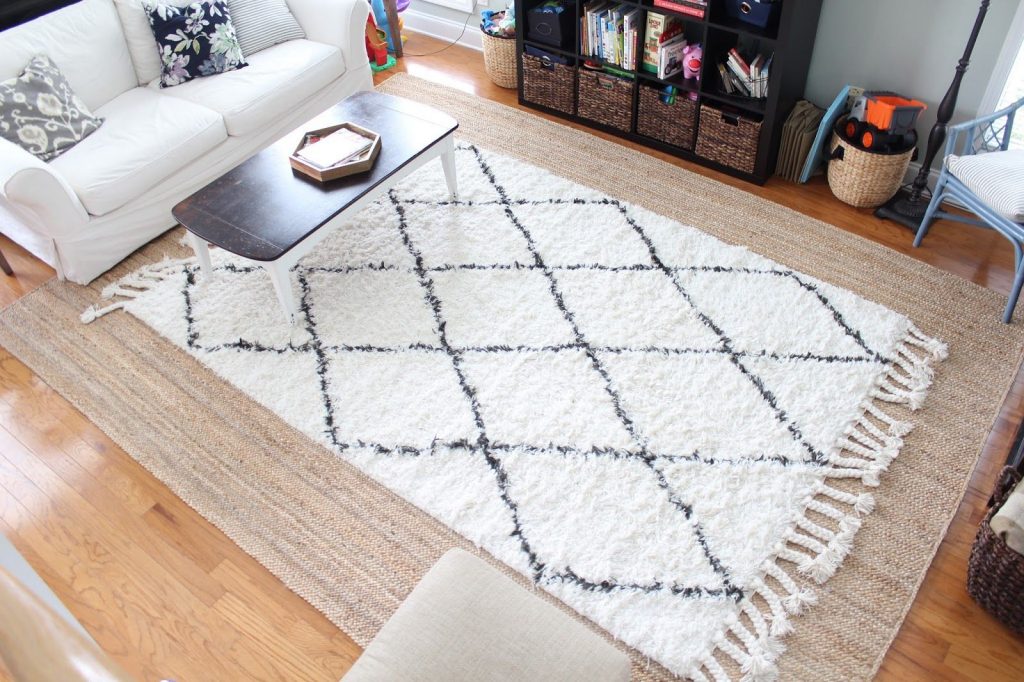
[169, 596]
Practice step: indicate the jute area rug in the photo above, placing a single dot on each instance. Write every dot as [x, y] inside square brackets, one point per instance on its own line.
[283, 497]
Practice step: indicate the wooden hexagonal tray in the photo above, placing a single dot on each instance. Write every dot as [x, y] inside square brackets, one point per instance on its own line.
[360, 164]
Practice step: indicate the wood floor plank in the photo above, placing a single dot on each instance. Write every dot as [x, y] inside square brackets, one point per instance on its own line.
[127, 579]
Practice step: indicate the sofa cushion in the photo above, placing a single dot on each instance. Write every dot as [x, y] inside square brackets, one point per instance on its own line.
[996, 177]
[275, 80]
[84, 41]
[263, 23]
[145, 138]
[41, 113]
[466, 622]
[196, 40]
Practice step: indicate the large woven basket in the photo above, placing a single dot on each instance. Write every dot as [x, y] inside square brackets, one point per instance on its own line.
[606, 99]
[995, 573]
[500, 59]
[728, 138]
[861, 178]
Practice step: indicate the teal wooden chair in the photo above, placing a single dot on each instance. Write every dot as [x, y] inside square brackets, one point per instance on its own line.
[981, 172]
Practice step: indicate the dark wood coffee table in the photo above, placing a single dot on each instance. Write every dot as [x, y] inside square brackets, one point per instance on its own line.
[265, 212]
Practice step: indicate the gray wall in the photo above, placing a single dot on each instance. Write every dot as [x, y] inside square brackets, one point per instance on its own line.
[910, 46]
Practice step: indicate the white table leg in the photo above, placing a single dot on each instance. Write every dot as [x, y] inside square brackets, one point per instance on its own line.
[448, 162]
[283, 287]
[202, 251]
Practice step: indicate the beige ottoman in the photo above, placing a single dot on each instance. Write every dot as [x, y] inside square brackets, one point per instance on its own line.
[467, 621]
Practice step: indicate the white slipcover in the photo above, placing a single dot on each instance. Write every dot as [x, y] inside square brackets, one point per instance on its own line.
[84, 40]
[260, 93]
[145, 138]
[92, 207]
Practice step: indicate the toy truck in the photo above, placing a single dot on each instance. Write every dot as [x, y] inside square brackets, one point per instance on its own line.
[883, 121]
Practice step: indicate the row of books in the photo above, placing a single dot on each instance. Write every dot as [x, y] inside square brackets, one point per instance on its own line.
[748, 79]
[609, 32]
[694, 8]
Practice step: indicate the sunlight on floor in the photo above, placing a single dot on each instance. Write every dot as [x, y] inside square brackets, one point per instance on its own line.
[439, 76]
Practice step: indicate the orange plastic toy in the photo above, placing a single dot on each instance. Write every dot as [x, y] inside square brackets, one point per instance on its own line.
[376, 44]
[881, 120]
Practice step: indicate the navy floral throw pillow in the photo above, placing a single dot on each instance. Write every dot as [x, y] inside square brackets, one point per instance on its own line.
[195, 40]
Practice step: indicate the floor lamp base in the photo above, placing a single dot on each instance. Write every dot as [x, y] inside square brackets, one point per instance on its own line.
[900, 209]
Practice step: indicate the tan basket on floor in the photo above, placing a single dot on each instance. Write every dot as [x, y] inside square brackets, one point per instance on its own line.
[861, 178]
[500, 59]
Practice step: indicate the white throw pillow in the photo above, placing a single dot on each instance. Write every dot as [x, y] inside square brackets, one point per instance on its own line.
[260, 24]
[139, 36]
[997, 178]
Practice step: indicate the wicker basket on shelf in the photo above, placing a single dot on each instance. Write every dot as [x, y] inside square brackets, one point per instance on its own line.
[729, 138]
[673, 122]
[864, 179]
[606, 99]
[500, 59]
[549, 83]
[995, 573]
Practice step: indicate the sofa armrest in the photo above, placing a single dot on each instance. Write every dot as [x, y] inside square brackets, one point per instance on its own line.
[37, 192]
[341, 23]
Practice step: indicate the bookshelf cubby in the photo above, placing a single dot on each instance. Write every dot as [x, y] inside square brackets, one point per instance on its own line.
[789, 37]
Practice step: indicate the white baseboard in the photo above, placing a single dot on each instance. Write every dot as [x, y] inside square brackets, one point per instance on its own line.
[444, 29]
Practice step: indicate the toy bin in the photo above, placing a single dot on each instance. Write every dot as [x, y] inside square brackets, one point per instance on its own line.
[864, 178]
[995, 572]
[551, 28]
[500, 59]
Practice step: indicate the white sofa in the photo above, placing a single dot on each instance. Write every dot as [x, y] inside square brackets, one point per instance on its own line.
[89, 208]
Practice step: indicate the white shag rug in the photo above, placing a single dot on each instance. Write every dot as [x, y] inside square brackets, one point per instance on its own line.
[658, 428]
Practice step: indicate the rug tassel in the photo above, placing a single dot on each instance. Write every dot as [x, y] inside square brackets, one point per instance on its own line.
[135, 284]
[712, 665]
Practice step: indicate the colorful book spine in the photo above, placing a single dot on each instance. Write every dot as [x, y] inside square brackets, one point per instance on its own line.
[692, 10]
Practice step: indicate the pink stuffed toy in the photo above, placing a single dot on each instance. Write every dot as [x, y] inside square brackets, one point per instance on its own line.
[693, 57]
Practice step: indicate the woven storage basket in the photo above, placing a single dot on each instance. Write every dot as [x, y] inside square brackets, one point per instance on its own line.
[549, 83]
[606, 99]
[728, 138]
[673, 123]
[861, 178]
[500, 59]
[995, 573]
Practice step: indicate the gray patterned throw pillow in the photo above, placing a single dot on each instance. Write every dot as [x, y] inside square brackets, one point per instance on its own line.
[40, 112]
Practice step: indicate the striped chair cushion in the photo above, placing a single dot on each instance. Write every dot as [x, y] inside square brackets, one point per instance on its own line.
[997, 178]
[260, 24]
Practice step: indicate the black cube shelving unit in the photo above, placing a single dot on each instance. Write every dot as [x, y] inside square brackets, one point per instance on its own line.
[790, 37]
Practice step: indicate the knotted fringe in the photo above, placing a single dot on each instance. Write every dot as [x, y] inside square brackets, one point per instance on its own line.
[131, 286]
[866, 448]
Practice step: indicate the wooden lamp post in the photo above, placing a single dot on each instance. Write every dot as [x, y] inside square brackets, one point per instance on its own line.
[910, 203]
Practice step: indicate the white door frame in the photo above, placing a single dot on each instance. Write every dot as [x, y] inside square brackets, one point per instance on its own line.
[1011, 47]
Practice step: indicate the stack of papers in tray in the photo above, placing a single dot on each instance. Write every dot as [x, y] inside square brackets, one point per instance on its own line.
[338, 147]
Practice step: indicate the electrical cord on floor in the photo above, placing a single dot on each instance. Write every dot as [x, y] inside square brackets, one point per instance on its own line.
[428, 54]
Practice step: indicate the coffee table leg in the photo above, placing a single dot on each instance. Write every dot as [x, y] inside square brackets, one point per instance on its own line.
[283, 286]
[202, 251]
[448, 162]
